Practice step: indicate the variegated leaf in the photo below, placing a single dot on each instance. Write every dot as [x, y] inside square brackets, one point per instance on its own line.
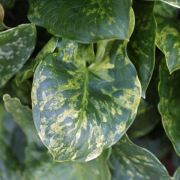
[83, 105]
[16, 46]
[175, 3]
[169, 105]
[142, 43]
[168, 41]
[129, 161]
[83, 20]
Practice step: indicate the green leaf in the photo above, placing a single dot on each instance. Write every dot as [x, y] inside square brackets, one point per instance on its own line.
[82, 106]
[16, 46]
[145, 121]
[164, 10]
[129, 161]
[170, 104]
[177, 174]
[168, 41]
[46, 170]
[1, 17]
[141, 47]
[7, 3]
[83, 20]
[175, 3]
[22, 115]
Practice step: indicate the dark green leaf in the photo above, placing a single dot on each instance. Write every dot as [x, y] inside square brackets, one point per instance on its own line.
[169, 105]
[129, 161]
[83, 20]
[142, 43]
[82, 106]
[16, 46]
[145, 121]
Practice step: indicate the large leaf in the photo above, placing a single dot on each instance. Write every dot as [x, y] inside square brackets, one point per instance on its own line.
[50, 170]
[16, 46]
[142, 43]
[168, 41]
[175, 3]
[169, 105]
[129, 161]
[81, 105]
[83, 20]
[22, 116]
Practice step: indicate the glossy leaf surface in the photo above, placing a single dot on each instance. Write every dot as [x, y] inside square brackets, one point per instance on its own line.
[16, 46]
[82, 20]
[130, 161]
[169, 105]
[82, 105]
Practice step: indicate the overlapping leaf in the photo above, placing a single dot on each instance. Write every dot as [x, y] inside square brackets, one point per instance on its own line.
[83, 20]
[82, 106]
[168, 41]
[146, 120]
[16, 46]
[39, 166]
[129, 161]
[175, 3]
[142, 42]
[169, 105]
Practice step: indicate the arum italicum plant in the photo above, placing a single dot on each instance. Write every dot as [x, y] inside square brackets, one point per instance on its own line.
[86, 86]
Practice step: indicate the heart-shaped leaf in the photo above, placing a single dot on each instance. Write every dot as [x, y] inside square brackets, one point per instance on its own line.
[169, 105]
[129, 161]
[16, 46]
[142, 44]
[82, 105]
[83, 20]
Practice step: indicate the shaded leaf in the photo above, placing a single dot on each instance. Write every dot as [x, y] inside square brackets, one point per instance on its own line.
[50, 170]
[79, 109]
[16, 46]
[169, 105]
[168, 41]
[22, 116]
[83, 20]
[146, 120]
[141, 47]
[129, 161]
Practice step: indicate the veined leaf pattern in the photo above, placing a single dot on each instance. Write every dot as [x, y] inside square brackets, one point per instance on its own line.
[82, 106]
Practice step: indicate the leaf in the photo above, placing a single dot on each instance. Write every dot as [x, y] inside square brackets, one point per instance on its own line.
[22, 116]
[175, 3]
[96, 169]
[177, 174]
[164, 10]
[82, 20]
[7, 3]
[146, 120]
[168, 41]
[130, 161]
[170, 104]
[16, 46]
[141, 47]
[80, 106]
